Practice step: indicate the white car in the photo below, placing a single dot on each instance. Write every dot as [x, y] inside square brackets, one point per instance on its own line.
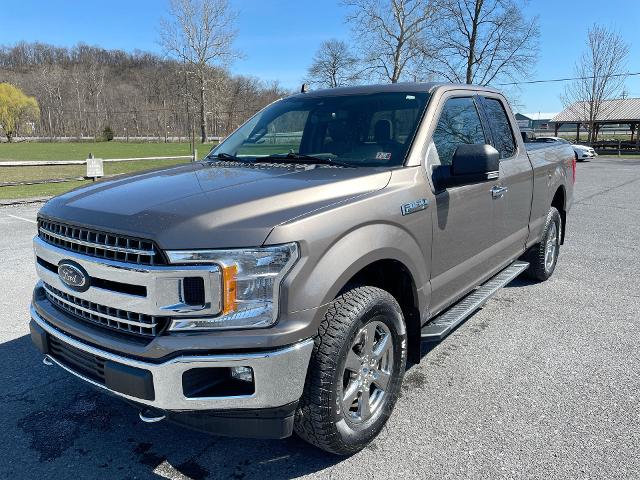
[581, 151]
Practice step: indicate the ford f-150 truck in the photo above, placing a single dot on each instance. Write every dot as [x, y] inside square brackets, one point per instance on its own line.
[282, 283]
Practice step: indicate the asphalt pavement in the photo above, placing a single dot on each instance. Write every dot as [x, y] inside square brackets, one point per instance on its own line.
[543, 382]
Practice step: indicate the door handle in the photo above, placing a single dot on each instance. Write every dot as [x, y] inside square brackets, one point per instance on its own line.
[498, 192]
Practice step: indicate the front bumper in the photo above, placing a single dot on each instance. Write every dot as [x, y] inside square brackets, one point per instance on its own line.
[586, 154]
[278, 375]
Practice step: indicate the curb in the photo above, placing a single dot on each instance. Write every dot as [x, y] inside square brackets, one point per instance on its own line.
[23, 201]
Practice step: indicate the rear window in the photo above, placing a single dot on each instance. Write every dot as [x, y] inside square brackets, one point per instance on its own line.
[502, 134]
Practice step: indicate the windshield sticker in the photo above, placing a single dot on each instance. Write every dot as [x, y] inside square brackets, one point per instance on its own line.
[383, 156]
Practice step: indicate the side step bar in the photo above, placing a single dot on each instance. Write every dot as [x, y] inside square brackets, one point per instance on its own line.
[440, 326]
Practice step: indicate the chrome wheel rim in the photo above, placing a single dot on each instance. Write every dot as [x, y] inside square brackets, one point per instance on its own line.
[367, 372]
[551, 250]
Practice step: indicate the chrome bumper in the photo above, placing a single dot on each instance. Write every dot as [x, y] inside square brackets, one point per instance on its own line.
[279, 375]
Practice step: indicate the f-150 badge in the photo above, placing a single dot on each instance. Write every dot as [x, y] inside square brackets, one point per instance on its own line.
[414, 206]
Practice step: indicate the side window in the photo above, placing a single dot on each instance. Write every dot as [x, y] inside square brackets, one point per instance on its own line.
[502, 133]
[459, 124]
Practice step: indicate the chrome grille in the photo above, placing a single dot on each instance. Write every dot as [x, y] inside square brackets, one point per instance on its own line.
[99, 244]
[109, 317]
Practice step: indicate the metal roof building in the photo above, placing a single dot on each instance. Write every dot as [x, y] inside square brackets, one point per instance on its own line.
[616, 111]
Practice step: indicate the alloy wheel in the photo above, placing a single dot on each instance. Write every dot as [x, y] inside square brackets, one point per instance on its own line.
[367, 372]
[551, 251]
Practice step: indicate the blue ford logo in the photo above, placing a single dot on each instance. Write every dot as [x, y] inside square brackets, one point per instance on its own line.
[74, 276]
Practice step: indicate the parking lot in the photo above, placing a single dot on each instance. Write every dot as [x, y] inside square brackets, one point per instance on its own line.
[543, 382]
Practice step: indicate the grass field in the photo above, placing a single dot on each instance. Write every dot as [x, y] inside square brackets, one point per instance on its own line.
[80, 151]
[584, 136]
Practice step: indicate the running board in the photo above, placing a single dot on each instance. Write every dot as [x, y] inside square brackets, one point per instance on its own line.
[440, 326]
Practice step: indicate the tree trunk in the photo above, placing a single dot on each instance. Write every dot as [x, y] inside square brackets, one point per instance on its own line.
[97, 118]
[50, 127]
[203, 116]
[577, 132]
[472, 41]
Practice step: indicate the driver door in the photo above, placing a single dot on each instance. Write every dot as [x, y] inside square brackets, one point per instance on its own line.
[463, 230]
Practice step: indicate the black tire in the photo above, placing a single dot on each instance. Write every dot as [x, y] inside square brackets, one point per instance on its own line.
[540, 268]
[321, 418]
[577, 158]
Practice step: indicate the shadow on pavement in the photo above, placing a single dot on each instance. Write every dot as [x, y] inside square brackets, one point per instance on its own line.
[521, 282]
[55, 425]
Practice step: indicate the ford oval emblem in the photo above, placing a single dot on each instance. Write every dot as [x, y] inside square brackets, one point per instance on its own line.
[74, 276]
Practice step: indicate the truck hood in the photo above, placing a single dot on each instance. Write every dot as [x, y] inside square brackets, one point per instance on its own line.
[217, 205]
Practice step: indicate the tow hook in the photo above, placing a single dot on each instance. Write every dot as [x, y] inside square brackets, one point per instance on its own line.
[151, 416]
[47, 360]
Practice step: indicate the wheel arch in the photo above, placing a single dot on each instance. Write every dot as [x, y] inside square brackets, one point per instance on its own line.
[394, 277]
[559, 201]
[379, 255]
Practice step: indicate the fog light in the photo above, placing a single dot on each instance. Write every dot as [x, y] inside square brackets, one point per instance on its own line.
[244, 374]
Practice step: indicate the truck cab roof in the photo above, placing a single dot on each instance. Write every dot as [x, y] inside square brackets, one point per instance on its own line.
[408, 87]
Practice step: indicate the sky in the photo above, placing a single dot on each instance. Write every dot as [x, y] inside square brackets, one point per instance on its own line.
[279, 37]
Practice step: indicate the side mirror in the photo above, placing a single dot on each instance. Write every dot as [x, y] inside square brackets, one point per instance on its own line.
[473, 164]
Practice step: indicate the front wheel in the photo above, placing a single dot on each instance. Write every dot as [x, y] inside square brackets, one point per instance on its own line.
[543, 257]
[355, 372]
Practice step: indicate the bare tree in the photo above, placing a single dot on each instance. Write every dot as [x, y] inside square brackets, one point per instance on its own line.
[79, 91]
[95, 81]
[391, 33]
[600, 72]
[483, 41]
[333, 65]
[51, 80]
[200, 33]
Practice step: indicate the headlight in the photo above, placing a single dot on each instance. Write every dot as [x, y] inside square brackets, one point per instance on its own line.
[251, 281]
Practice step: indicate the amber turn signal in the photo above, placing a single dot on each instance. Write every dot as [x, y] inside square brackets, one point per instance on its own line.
[229, 274]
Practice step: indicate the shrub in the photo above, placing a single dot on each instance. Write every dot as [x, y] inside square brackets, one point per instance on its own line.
[107, 134]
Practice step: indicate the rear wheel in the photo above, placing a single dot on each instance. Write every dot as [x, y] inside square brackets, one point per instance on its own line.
[543, 257]
[355, 372]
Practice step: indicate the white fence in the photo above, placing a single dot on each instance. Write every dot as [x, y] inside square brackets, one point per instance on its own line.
[94, 167]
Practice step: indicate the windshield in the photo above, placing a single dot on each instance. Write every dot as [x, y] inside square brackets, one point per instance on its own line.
[356, 130]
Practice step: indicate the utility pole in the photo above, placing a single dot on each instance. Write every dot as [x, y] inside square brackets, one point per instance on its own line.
[186, 93]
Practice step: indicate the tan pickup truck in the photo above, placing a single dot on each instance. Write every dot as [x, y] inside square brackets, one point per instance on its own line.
[282, 283]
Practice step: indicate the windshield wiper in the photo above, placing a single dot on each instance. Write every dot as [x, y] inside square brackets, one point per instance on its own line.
[299, 158]
[225, 156]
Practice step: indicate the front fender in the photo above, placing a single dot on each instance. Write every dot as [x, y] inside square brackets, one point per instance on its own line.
[351, 253]
[334, 247]
[337, 242]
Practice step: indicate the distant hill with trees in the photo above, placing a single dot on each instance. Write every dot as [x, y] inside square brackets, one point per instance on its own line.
[85, 89]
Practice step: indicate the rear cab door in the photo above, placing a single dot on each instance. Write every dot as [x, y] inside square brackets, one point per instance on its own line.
[512, 195]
